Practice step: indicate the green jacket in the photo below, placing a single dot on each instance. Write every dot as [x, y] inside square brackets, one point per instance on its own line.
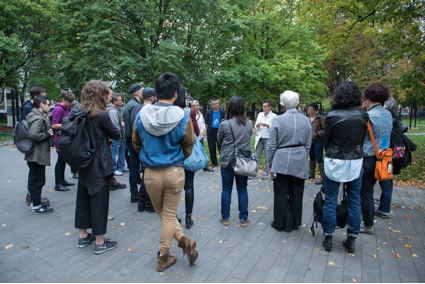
[38, 125]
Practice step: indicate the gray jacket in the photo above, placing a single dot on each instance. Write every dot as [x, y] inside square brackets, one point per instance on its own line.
[225, 139]
[114, 115]
[129, 112]
[38, 125]
[289, 129]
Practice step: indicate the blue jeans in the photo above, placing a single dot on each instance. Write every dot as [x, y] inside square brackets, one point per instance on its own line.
[227, 177]
[353, 206]
[316, 151]
[118, 149]
[386, 193]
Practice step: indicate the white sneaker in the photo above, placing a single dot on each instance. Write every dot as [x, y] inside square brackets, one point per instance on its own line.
[118, 173]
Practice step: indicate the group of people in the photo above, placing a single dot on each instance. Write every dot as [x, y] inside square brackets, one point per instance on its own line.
[159, 136]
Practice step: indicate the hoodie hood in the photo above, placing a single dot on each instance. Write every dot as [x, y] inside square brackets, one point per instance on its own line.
[110, 108]
[159, 119]
[63, 107]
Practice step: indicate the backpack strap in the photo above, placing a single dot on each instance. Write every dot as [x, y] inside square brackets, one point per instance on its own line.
[231, 130]
[373, 139]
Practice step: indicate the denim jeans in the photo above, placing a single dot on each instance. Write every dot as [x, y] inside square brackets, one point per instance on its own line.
[353, 206]
[134, 167]
[386, 193]
[316, 151]
[227, 177]
[118, 149]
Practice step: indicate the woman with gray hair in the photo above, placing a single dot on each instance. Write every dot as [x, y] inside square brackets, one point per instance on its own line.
[288, 148]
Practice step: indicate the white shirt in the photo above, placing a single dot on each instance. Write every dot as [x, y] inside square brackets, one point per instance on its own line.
[265, 131]
[343, 170]
[201, 124]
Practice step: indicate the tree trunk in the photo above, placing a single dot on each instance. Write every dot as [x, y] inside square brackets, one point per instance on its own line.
[253, 112]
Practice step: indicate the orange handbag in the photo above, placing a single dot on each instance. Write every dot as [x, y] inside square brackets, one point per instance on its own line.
[384, 160]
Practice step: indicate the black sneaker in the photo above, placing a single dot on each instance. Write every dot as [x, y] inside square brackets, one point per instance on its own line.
[349, 244]
[117, 186]
[107, 245]
[150, 210]
[327, 243]
[43, 209]
[134, 197]
[82, 243]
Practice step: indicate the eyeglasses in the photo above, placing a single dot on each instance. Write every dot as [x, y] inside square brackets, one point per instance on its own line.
[266, 106]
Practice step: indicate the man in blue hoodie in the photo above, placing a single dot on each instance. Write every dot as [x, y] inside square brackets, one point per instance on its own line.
[29, 105]
[163, 134]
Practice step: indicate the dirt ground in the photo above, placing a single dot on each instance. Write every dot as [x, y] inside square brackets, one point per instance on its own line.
[6, 129]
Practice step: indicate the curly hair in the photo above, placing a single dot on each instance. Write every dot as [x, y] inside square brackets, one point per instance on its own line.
[347, 94]
[377, 93]
[94, 97]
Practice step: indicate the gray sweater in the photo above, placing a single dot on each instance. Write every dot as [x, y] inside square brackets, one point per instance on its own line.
[225, 139]
[289, 129]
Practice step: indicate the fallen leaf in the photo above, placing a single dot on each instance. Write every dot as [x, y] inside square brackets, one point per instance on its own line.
[197, 217]
[373, 255]
[200, 233]
[406, 216]
[408, 246]
[135, 219]
[122, 224]
[114, 227]
[260, 224]
[161, 273]
[67, 234]
[220, 241]
[351, 254]
[336, 259]
[234, 276]
[51, 189]
[25, 247]
[304, 225]
[318, 248]
[398, 256]
[207, 241]
[205, 218]
[4, 225]
[259, 207]
[378, 248]
[284, 241]
[354, 280]
[393, 253]
[331, 263]
[253, 211]
[239, 225]
[8, 246]
[414, 255]
[408, 238]
[385, 243]
[128, 249]
[226, 227]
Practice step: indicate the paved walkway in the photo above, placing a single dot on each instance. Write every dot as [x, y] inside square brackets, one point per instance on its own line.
[44, 247]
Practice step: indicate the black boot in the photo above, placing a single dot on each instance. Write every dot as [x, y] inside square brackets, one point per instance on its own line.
[134, 197]
[327, 243]
[189, 196]
[312, 173]
[349, 244]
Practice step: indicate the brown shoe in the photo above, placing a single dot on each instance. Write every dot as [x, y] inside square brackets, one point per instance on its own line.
[246, 223]
[224, 222]
[189, 248]
[165, 261]
[322, 174]
[28, 199]
[312, 169]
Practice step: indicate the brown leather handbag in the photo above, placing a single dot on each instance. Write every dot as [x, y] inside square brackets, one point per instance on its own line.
[384, 160]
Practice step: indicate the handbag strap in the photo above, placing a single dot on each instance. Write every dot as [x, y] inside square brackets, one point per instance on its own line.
[231, 130]
[373, 138]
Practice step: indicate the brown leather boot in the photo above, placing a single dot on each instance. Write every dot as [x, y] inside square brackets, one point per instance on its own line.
[322, 174]
[165, 261]
[189, 248]
[312, 169]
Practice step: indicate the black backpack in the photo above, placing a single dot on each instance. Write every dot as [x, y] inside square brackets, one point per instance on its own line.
[341, 209]
[21, 131]
[74, 141]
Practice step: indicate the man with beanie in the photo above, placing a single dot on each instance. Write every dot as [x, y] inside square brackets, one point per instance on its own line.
[149, 97]
[129, 111]
[164, 136]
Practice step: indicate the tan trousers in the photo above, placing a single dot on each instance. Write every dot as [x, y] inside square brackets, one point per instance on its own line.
[164, 186]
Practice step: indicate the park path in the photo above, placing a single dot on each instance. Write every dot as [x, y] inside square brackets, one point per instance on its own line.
[44, 247]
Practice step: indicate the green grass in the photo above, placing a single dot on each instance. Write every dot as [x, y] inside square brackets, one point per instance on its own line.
[3, 121]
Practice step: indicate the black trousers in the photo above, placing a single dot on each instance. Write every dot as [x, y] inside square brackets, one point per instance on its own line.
[74, 170]
[144, 199]
[134, 167]
[212, 140]
[366, 191]
[92, 211]
[60, 170]
[36, 181]
[284, 186]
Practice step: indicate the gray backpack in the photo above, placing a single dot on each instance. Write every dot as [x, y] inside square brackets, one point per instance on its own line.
[23, 142]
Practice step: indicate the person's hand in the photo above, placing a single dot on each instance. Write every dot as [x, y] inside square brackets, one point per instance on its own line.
[50, 131]
[269, 169]
[109, 139]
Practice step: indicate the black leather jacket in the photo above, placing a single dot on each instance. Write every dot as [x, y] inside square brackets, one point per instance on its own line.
[345, 133]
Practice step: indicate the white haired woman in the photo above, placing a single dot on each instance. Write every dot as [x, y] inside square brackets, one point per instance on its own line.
[288, 148]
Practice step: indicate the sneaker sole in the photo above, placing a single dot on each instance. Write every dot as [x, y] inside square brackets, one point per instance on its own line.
[105, 250]
[83, 246]
[39, 213]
